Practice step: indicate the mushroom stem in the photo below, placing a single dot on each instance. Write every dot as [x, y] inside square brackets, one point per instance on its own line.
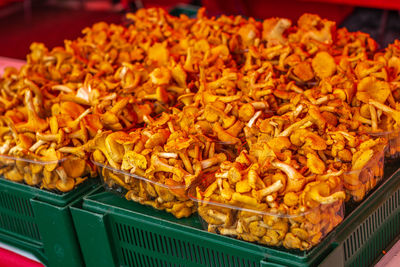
[228, 231]
[227, 120]
[236, 128]
[161, 95]
[224, 136]
[119, 105]
[38, 93]
[65, 184]
[260, 105]
[288, 170]
[51, 137]
[79, 134]
[62, 174]
[294, 126]
[73, 124]
[167, 155]
[362, 119]
[73, 98]
[217, 215]
[7, 103]
[394, 113]
[34, 123]
[62, 88]
[5, 147]
[159, 166]
[186, 162]
[188, 66]
[37, 145]
[253, 177]
[330, 174]
[374, 118]
[77, 151]
[218, 158]
[261, 93]
[295, 181]
[316, 196]
[275, 187]
[253, 119]
[321, 100]
[221, 81]
[297, 111]
[186, 99]
[109, 97]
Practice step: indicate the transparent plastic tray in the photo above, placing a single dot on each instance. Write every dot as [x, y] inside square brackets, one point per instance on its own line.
[393, 147]
[296, 228]
[168, 195]
[359, 182]
[61, 175]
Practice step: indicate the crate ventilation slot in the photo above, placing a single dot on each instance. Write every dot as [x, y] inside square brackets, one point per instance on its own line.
[132, 258]
[16, 215]
[131, 238]
[19, 226]
[16, 204]
[365, 230]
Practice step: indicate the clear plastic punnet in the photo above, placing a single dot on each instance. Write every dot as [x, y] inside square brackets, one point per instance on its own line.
[393, 147]
[162, 194]
[62, 175]
[360, 180]
[299, 222]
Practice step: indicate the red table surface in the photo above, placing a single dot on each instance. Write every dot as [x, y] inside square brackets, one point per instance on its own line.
[9, 258]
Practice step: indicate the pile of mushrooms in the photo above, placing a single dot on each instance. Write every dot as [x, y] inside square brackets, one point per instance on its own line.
[286, 120]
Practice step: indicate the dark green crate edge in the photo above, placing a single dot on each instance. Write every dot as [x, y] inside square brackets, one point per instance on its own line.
[47, 196]
[94, 228]
[53, 246]
[186, 9]
[17, 205]
[125, 209]
[374, 226]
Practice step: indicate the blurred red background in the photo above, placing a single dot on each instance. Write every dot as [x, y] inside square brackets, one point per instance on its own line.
[51, 21]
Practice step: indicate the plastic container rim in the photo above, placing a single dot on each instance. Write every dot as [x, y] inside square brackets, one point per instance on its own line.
[35, 161]
[43, 163]
[223, 205]
[377, 155]
[101, 165]
[383, 133]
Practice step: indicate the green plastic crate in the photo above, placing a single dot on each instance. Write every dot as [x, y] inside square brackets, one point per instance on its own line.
[40, 221]
[125, 233]
[188, 10]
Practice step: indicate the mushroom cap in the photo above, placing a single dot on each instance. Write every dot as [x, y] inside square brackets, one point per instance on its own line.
[25, 141]
[186, 99]
[51, 158]
[370, 87]
[72, 109]
[274, 28]
[113, 147]
[160, 76]
[323, 64]
[74, 167]
[132, 159]
[361, 159]
[66, 186]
